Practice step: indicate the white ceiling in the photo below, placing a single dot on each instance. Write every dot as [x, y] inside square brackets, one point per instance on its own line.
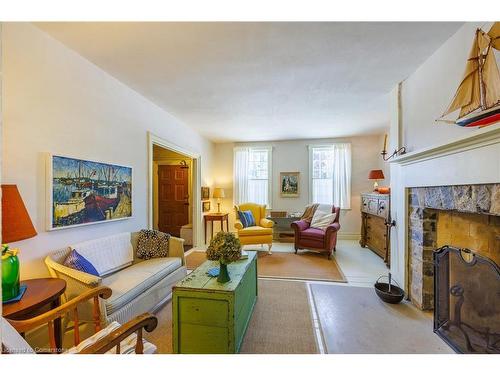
[262, 81]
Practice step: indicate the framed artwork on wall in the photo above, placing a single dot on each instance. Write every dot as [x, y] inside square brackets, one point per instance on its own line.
[82, 192]
[206, 206]
[289, 184]
[205, 192]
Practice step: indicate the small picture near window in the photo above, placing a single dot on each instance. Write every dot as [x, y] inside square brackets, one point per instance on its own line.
[289, 184]
[206, 206]
[205, 192]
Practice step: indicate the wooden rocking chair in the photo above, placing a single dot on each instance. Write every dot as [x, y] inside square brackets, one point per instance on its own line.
[123, 339]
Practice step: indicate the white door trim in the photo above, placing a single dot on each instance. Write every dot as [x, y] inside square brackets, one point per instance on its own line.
[197, 216]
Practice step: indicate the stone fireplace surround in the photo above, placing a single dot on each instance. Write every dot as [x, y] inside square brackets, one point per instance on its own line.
[476, 209]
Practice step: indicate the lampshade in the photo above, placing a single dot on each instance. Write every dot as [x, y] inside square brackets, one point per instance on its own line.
[376, 174]
[16, 223]
[219, 193]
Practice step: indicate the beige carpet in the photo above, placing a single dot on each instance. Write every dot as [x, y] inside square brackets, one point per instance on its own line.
[302, 266]
[195, 259]
[281, 322]
[355, 321]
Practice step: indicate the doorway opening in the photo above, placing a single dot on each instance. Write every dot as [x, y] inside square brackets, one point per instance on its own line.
[174, 175]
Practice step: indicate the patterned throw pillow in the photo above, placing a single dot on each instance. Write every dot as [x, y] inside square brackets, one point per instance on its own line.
[80, 263]
[152, 244]
[246, 218]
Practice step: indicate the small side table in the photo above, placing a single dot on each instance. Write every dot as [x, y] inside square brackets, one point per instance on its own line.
[41, 295]
[216, 216]
[282, 231]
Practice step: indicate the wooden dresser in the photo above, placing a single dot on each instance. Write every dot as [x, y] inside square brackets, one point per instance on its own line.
[375, 217]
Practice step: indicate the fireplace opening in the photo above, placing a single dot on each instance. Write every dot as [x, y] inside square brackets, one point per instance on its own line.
[467, 300]
[463, 216]
[461, 286]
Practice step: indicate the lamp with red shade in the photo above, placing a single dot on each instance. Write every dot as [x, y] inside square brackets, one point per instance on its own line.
[376, 175]
[16, 226]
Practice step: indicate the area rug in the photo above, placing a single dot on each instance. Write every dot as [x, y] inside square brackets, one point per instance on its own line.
[281, 322]
[287, 265]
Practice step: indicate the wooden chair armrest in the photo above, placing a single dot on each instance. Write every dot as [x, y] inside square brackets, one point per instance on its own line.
[146, 321]
[28, 324]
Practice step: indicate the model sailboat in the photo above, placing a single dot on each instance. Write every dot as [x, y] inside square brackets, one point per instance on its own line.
[478, 96]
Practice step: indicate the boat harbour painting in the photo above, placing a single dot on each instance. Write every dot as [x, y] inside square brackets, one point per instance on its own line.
[85, 192]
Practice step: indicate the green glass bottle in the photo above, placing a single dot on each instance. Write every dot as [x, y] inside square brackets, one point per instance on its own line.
[10, 276]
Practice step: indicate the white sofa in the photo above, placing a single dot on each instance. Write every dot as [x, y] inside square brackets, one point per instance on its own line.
[138, 286]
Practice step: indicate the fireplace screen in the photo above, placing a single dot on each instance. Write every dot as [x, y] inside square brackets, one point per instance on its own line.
[467, 300]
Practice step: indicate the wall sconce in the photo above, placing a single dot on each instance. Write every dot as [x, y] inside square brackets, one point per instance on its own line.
[398, 152]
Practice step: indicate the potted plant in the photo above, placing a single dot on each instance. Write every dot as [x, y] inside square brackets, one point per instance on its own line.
[225, 247]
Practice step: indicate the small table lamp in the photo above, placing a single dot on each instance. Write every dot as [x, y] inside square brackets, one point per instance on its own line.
[219, 194]
[376, 174]
[16, 226]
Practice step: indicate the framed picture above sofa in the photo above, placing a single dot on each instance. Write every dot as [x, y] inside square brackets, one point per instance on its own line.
[289, 184]
[83, 192]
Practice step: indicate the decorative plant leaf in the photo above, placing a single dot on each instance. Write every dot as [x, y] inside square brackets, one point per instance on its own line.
[224, 247]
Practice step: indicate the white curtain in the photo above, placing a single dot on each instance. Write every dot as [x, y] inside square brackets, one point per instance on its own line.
[342, 175]
[322, 190]
[240, 175]
[257, 191]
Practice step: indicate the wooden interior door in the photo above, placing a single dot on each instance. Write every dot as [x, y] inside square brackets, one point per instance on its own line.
[173, 198]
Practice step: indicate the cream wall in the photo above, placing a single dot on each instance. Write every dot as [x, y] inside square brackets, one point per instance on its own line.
[425, 95]
[429, 90]
[56, 101]
[293, 156]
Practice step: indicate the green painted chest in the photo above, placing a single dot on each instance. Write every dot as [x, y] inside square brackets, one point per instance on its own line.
[209, 317]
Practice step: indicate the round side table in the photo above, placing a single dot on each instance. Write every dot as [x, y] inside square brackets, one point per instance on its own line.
[41, 295]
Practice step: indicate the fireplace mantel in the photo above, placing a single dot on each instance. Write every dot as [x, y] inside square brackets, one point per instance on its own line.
[476, 139]
[468, 160]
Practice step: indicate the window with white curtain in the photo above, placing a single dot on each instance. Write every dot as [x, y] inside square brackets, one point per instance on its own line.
[252, 175]
[330, 174]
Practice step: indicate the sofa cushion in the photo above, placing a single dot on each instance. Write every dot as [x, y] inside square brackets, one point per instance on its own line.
[313, 233]
[80, 263]
[152, 244]
[255, 231]
[107, 254]
[130, 282]
[246, 218]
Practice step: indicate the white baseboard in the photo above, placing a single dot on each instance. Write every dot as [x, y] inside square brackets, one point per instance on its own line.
[348, 236]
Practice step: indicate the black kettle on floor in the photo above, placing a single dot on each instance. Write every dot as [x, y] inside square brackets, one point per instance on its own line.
[387, 292]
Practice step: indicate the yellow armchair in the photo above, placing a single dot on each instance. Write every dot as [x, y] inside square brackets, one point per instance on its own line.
[262, 233]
